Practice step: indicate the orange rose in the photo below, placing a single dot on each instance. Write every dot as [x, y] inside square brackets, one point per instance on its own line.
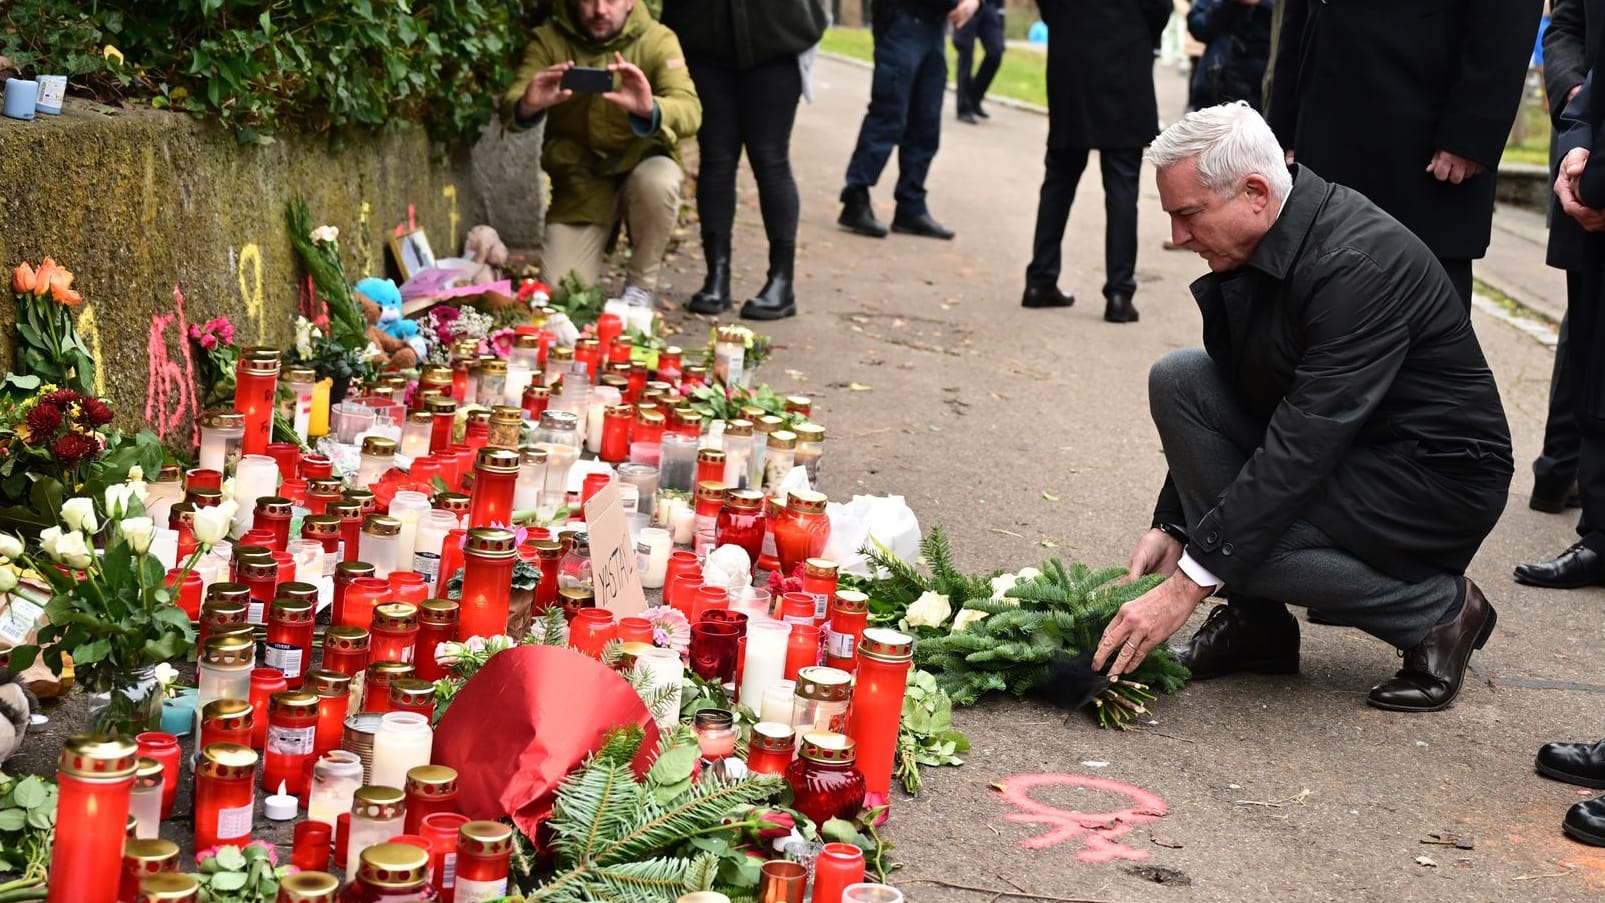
[42, 279]
[23, 279]
[61, 287]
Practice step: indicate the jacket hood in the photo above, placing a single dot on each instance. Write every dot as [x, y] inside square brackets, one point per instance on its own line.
[638, 21]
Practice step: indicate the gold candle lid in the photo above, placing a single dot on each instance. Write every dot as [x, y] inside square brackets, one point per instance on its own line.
[491, 542]
[224, 611]
[806, 501]
[710, 456]
[228, 761]
[290, 611]
[412, 692]
[390, 671]
[432, 781]
[885, 645]
[532, 455]
[227, 714]
[345, 508]
[484, 838]
[773, 736]
[455, 502]
[493, 367]
[798, 402]
[223, 420]
[393, 865]
[351, 571]
[505, 414]
[309, 887]
[782, 439]
[710, 491]
[204, 498]
[148, 773]
[744, 500]
[819, 567]
[346, 638]
[296, 703]
[809, 432]
[497, 460]
[395, 616]
[297, 590]
[376, 801]
[440, 406]
[227, 592]
[379, 446]
[326, 488]
[439, 612]
[381, 525]
[168, 887]
[850, 601]
[151, 853]
[328, 684]
[228, 651]
[828, 748]
[273, 506]
[824, 684]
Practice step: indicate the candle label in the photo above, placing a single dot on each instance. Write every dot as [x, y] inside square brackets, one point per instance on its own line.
[284, 657]
[629, 498]
[643, 558]
[234, 823]
[448, 871]
[472, 891]
[254, 611]
[840, 645]
[428, 564]
[290, 741]
[821, 606]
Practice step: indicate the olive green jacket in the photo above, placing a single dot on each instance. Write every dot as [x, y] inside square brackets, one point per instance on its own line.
[591, 144]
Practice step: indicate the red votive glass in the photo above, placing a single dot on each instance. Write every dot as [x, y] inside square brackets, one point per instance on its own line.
[264, 683]
[837, 866]
[164, 749]
[314, 841]
[225, 721]
[590, 631]
[495, 474]
[350, 513]
[95, 780]
[143, 858]
[345, 574]
[635, 630]
[771, 747]
[713, 651]
[203, 479]
[394, 631]
[287, 455]
[430, 789]
[802, 651]
[256, 376]
[272, 514]
[291, 740]
[333, 689]
[441, 830]
[289, 639]
[225, 795]
[362, 596]
[819, 581]
[615, 446]
[314, 466]
[437, 623]
[884, 659]
[408, 586]
[849, 614]
[484, 854]
[376, 684]
[708, 598]
[683, 593]
[186, 594]
[489, 555]
[409, 694]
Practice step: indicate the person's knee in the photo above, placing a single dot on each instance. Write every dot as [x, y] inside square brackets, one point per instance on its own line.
[1177, 372]
[656, 181]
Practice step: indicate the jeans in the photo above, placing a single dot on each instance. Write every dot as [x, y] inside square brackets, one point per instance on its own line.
[752, 108]
[986, 24]
[905, 109]
[1062, 171]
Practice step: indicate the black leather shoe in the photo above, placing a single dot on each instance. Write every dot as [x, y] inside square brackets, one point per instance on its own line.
[981, 112]
[858, 215]
[969, 117]
[1586, 822]
[1435, 669]
[920, 224]
[1575, 567]
[1045, 296]
[775, 301]
[1582, 764]
[1552, 500]
[1118, 309]
[1241, 638]
[714, 298]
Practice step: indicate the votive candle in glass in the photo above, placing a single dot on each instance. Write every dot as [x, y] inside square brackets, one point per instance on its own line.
[361, 596]
[224, 668]
[256, 377]
[484, 854]
[678, 461]
[289, 639]
[408, 507]
[837, 866]
[333, 689]
[645, 480]
[495, 476]
[765, 662]
[771, 747]
[403, 741]
[778, 701]
[664, 670]
[291, 740]
[225, 721]
[142, 859]
[802, 649]
[264, 683]
[849, 614]
[415, 434]
[380, 544]
[225, 795]
[884, 659]
[376, 816]
[409, 694]
[489, 555]
[345, 649]
[221, 434]
[145, 801]
[821, 699]
[376, 683]
[429, 789]
[443, 421]
[336, 777]
[656, 544]
[256, 475]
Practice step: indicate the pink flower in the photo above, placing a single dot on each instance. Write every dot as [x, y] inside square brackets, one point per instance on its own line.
[208, 341]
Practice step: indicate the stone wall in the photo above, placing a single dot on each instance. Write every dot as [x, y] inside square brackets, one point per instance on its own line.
[138, 202]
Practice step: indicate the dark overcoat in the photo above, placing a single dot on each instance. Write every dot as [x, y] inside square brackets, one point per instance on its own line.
[1365, 91]
[1570, 46]
[1101, 71]
[745, 33]
[1582, 124]
[1383, 426]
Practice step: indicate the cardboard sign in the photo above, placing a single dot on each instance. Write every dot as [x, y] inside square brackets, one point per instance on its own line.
[613, 558]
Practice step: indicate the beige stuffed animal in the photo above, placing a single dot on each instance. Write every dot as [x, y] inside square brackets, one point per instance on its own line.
[484, 247]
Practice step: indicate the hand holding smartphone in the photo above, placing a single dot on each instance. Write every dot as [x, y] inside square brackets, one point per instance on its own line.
[586, 80]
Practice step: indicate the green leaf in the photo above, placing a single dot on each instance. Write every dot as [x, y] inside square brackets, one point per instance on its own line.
[674, 765]
[42, 819]
[228, 881]
[29, 792]
[839, 830]
[90, 653]
[13, 819]
[231, 858]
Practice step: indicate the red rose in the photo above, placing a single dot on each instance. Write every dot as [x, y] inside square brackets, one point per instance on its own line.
[96, 412]
[73, 448]
[43, 421]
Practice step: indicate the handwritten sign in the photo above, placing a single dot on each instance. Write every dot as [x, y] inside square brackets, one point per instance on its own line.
[613, 558]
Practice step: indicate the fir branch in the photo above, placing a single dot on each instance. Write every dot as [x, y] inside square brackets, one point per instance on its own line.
[708, 801]
[593, 807]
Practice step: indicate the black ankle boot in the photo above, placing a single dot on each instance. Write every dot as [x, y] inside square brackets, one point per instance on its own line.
[776, 300]
[714, 298]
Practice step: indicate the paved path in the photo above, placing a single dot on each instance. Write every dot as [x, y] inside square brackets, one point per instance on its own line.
[1273, 788]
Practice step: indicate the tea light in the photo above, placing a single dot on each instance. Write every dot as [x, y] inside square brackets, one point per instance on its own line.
[777, 699]
[255, 477]
[658, 543]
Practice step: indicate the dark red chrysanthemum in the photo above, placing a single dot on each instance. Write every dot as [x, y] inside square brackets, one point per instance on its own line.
[72, 448]
[44, 420]
[96, 412]
[61, 398]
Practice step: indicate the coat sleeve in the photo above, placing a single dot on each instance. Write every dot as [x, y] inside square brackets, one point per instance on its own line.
[1496, 46]
[1209, 19]
[537, 56]
[1357, 338]
[1283, 102]
[678, 105]
[1565, 49]
[1577, 126]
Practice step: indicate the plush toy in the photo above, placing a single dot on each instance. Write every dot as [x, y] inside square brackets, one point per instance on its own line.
[16, 704]
[484, 247]
[396, 336]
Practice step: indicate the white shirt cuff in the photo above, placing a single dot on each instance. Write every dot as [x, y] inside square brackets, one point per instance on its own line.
[1198, 573]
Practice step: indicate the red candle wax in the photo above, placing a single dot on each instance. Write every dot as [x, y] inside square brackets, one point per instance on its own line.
[186, 595]
[488, 558]
[264, 683]
[95, 780]
[437, 623]
[884, 660]
[362, 596]
[333, 689]
[256, 377]
[802, 651]
[838, 865]
[291, 740]
[495, 474]
[164, 749]
[225, 794]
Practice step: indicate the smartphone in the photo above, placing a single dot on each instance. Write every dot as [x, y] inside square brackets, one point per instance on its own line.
[586, 80]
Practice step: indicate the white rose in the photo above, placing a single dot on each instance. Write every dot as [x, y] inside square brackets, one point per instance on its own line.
[929, 610]
[1001, 586]
[138, 531]
[212, 524]
[8, 580]
[10, 546]
[325, 233]
[117, 500]
[136, 473]
[72, 551]
[966, 617]
[448, 653]
[165, 673]
[79, 514]
[475, 645]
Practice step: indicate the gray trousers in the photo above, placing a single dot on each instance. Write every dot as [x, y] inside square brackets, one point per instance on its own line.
[1207, 439]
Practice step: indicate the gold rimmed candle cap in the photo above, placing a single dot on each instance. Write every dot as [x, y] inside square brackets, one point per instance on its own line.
[491, 542]
[378, 802]
[328, 684]
[223, 420]
[782, 439]
[744, 500]
[346, 638]
[806, 501]
[828, 748]
[850, 601]
[228, 651]
[309, 887]
[379, 446]
[168, 887]
[885, 645]
[497, 460]
[393, 865]
[228, 761]
[395, 616]
[484, 838]
[819, 567]
[381, 525]
[293, 702]
[432, 780]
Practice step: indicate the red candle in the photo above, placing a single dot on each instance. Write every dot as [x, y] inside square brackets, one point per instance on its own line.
[451, 557]
[289, 639]
[465, 454]
[669, 364]
[261, 575]
[186, 595]
[225, 721]
[326, 530]
[484, 851]
[264, 683]
[708, 598]
[488, 558]
[684, 594]
[549, 556]
[203, 479]
[143, 858]
[741, 522]
[333, 689]
[535, 401]
[637, 382]
[681, 561]
[425, 469]
[437, 623]
[287, 455]
[294, 489]
[771, 748]
[291, 740]
[619, 349]
[710, 466]
[394, 631]
[430, 789]
[164, 749]
[409, 694]
[315, 466]
[648, 428]
[495, 473]
[225, 795]
[95, 780]
[801, 536]
[377, 681]
[350, 513]
[609, 326]
[588, 354]
[797, 608]
[273, 515]
[345, 649]
[616, 433]
[884, 659]
[440, 828]
[819, 581]
[838, 865]
[347, 573]
[849, 613]
[362, 596]
[256, 377]
[408, 586]
[802, 651]
[635, 630]
[693, 376]
[591, 630]
[593, 483]
[310, 853]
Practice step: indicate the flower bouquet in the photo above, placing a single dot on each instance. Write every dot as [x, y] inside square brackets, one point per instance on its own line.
[50, 348]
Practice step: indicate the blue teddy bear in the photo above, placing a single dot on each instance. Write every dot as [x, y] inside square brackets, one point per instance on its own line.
[384, 293]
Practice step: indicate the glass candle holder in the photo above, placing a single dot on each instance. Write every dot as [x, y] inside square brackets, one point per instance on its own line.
[819, 581]
[292, 729]
[255, 476]
[801, 536]
[376, 683]
[664, 670]
[225, 795]
[489, 555]
[336, 777]
[403, 742]
[437, 624]
[776, 704]
[496, 472]
[333, 690]
[145, 801]
[224, 668]
[820, 700]
[884, 659]
[825, 779]
[225, 721]
[771, 747]
[654, 545]
[348, 420]
[256, 377]
[484, 854]
[380, 544]
[408, 694]
[871, 893]
[408, 507]
[839, 865]
[678, 461]
[142, 859]
[186, 589]
[765, 661]
[264, 683]
[531, 479]
[802, 649]
[849, 614]
[430, 536]
[361, 597]
[415, 434]
[713, 651]
[345, 649]
[394, 632]
[716, 733]
[221, 434]
[429, 789]
[781, 881]
[376, 816]
[164, 749]
[591, 630]
[289, 639]
[645, 480]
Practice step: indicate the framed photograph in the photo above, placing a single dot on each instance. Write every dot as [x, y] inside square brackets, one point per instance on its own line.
[412, 253]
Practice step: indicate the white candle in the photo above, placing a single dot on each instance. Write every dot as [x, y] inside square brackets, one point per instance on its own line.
[602, 397]
[208, 568]
[682, 523]
[403, 741]
[379, 550]
[657, 543]
[519, 377]
[430, 535]
[256, 476]
[408, 507]
[309, 559]
[777, 698]
[765, 663]
[664, 668]
[335, 780]
[164, 546]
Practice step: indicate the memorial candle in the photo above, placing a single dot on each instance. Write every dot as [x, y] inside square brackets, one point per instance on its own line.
[142, 859]
[443, 414]
[291, 740]
[437, 623]
[254, 477]
[256, 376]
[394, 631]
[379, 544]
[345, 649]
[225, 795]
[403, 742]
[429, 789]
[289, 639]
[765, 662]
[884, 659]
[430, 534]
[489, 555]
[221, 433]
[495, 476]
[95, 779]
[333, 689]
[225, 721]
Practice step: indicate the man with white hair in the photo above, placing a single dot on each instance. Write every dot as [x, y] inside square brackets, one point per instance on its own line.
[1337, 443]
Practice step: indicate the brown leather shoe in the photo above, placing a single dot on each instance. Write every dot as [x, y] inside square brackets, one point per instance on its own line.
[1434, 670]
[1236, 638]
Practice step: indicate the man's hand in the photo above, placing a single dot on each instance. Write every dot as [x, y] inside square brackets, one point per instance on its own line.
[962, 13]
[545, 90]
[1156, 553]
[1147, 621]
[1571, 169]
[1287, 154]
[635, 92]
[1447, 167]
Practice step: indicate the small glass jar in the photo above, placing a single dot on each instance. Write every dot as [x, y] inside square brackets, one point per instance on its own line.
[737, 444]
[819, 578]
[381, 543]
[476, 432]
[549, 558]
[291, 735]
[496, 472]
[429, 789]
[145, 804]
[394, 632]
[378, 455]
[802, 649]
[376, 816]
[143, 858]
[345, 649]
[531, 479]
[261, 574]
[525, 353]
[403, 741]
[506, 427]
[409, 694]
[443, 422]
[729, 354]
[289, 639]
[741, 522]
[711, 469]
[264, 683]
[648, 426]
[820, 700]
[428, 539]
[825, 781]
[694, 375]
[771, 748]
[492, 381]
[489, 555]
[224, 668]
[225, 795]
[575, 571]
[484, 855]
[669, 364]
[433, 379]
[716, 733]
[221, 432]
[614, 446]
[588, 355]
[376, 683]
[321, 493]
[333, 689]
[336, 778]
[849, 614]
[590, 630]
[780, 456]
[309, 887]
[226, 721]
[437, 623]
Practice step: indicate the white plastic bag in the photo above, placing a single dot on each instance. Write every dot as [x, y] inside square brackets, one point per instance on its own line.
[887, 518]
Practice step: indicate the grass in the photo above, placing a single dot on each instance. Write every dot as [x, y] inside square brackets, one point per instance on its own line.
[1022, 76]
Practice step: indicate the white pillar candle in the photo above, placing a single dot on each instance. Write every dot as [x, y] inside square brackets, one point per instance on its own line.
[765, 663]
[309, 559]
[657, 543]
[403, 741]
[208, 567]
[428, 537]
[665, 670]
[777, 698]
[602, 397]
[408, 507]
[639, 319]
[380, 551]
[256, 476]
[682, 523]
[519, 377]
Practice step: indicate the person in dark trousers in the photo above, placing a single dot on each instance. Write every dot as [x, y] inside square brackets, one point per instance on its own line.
[1339, 440]
[1100, 96]
[972, 83]
[1410, 103]
[1236, 35]
[905, 114]
[1574, 26]
[743, 57]
[1582, 144]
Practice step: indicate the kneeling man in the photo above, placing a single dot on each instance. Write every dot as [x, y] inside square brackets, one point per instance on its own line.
[1338, 443]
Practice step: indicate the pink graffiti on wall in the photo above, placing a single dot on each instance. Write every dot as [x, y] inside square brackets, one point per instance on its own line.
[170, 402]
[1100, 830]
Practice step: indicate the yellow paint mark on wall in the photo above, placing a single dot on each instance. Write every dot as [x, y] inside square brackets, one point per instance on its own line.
[250, 273]
[89, 333]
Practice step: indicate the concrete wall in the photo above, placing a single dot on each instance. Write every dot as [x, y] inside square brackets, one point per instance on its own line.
[136, 202]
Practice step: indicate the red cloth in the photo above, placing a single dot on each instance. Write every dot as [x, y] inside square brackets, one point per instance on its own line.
[526, 720]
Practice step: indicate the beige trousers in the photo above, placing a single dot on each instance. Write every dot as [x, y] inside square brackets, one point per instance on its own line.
[650, 207]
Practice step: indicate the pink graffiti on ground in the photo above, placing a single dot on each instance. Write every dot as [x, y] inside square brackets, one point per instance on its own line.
[1101, 829]
[170, 401]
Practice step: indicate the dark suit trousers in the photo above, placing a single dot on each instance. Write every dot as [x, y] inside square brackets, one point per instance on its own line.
[987, 25]
[1207, 438]
[905, 109]
[1459, 271]
[1062, 172]
[1556, 465]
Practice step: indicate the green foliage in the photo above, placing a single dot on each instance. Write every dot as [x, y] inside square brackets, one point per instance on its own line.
[717, 401]
[925, 735]
[321, 260]
[580, 302]
[900, 583]
[240, 875]
[48, 345]
[27, 826]
[287, 65]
